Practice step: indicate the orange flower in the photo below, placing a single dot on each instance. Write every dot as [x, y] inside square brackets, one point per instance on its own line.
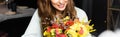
[81, 30]
[76, 20]
[69, 23]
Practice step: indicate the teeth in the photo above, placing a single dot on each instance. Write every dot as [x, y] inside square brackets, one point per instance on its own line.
[61, 6]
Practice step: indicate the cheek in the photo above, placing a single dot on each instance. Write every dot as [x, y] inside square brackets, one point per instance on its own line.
[66, 0]
[54, 1]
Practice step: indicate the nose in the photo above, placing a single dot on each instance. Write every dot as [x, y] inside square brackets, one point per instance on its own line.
[61, 1]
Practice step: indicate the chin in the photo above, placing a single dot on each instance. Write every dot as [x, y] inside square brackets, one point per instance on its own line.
[61, 9]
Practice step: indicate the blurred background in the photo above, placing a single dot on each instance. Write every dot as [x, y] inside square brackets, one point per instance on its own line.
[15, 18]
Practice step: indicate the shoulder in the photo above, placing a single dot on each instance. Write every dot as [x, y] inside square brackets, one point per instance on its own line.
[81, 14]
[80, 11]
[36, 15]
[33, 28]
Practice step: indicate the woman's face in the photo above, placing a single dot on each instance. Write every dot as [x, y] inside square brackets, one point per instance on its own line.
[59, 4]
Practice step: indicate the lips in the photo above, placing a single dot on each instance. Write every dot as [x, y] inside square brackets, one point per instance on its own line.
[61, 6]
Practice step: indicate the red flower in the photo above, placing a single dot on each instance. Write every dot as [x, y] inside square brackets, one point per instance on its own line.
[55, 26]
[69, 23]
[61, 35]
[48, 29]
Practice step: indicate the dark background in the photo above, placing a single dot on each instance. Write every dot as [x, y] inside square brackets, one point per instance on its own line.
[95, 9]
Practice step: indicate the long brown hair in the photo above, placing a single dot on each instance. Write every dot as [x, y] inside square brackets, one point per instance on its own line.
[47, 11]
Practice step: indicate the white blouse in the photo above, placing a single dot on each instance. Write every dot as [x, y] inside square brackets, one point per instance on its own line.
[34, 28]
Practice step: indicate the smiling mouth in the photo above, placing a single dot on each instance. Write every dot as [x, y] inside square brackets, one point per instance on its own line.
[61, 6]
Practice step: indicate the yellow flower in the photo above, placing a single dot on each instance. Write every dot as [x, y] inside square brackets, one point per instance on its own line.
[78, 29]
[47, 34]
[71, 33]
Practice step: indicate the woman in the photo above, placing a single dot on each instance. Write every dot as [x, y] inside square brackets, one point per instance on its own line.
[49, 10]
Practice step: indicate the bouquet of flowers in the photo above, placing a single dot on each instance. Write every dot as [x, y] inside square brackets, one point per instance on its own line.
[68, 28]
